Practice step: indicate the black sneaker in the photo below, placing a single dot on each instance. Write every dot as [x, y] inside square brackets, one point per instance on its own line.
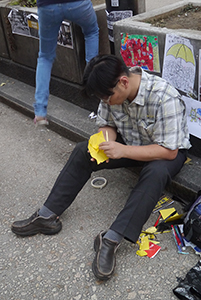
[37, 224]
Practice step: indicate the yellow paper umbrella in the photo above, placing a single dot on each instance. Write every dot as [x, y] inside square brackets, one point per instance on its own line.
[182, 51]
[93, 146]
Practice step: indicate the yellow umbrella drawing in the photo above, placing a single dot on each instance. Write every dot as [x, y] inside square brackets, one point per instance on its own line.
[182, 51]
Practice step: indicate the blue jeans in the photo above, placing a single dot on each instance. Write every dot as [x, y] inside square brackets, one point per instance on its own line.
[50, 20]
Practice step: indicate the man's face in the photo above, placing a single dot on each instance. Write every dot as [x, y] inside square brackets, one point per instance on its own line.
[120, 93]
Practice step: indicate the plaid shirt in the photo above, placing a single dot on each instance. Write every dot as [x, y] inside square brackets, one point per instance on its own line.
[156, 116]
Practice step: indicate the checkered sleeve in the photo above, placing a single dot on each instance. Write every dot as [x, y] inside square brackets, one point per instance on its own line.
[169, 127]
[104, 117]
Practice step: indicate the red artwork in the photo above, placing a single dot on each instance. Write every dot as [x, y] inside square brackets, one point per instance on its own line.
[137, 51]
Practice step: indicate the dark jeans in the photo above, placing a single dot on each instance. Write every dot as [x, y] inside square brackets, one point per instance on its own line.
[154, 176]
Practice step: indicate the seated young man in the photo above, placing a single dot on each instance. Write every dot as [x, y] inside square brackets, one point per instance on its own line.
[146, 124]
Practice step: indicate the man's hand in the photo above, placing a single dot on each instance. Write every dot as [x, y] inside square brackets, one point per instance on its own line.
[93, 159]
[112, 149]
[116, 150]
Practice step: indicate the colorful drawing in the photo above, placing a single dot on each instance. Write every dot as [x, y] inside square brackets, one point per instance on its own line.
[140, 50]
[182, 51]
[193, 113]
[179, 63]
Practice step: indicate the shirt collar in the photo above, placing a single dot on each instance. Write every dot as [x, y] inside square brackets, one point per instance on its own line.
[140, 98]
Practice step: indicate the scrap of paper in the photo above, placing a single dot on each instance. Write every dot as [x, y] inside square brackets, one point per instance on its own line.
[153, 250]
[162, 203]
[93, 146]
[147, 246]
[188, 161]
[150, 232]
[143, 245]
[169, 212]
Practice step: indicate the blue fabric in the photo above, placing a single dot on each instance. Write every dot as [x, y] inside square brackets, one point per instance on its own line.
[50, 19]
[48, 2]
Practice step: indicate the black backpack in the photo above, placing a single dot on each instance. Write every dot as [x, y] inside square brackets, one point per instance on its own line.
[192, 222]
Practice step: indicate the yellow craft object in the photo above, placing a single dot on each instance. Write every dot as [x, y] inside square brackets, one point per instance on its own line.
[141, 253]
[144, 245]
[155, 242]
[188, 161]
[171, 213]
[93, 146]
[146, 238]
[150, 230]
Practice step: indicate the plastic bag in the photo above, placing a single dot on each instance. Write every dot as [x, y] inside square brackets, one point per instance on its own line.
[192, 222]
[190, 287]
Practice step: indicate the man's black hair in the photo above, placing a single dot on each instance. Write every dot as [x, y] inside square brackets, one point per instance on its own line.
[102, 74]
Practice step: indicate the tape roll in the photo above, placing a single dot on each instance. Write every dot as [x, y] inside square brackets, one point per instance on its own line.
[99, 182]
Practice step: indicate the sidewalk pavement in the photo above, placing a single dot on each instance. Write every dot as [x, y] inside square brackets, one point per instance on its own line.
[59, 267]
[156, 4]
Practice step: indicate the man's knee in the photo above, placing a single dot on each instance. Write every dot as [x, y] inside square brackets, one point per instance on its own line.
[157, 171]
[82, 146]
[81, 150]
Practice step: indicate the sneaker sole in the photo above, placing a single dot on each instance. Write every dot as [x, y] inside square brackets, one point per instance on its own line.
[100, 276]
[36, 231]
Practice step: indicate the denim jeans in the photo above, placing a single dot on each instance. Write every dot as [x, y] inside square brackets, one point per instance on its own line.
[50, 19]
[154, 177]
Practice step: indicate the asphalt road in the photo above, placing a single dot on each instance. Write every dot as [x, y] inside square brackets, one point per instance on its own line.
[59, 267]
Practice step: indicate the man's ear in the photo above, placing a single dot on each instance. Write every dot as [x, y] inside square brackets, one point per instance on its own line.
[124, 81]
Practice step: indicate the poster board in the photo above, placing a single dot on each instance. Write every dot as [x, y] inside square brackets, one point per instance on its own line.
[193, 112]
[26, 24]
[179, 64]
[140, 50]
[115, 16]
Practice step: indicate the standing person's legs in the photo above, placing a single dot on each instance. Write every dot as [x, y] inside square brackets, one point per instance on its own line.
[50, 19]
[49, 24]
[83, 14]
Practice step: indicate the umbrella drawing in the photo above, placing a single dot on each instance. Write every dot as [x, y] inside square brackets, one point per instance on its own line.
[182, 51]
